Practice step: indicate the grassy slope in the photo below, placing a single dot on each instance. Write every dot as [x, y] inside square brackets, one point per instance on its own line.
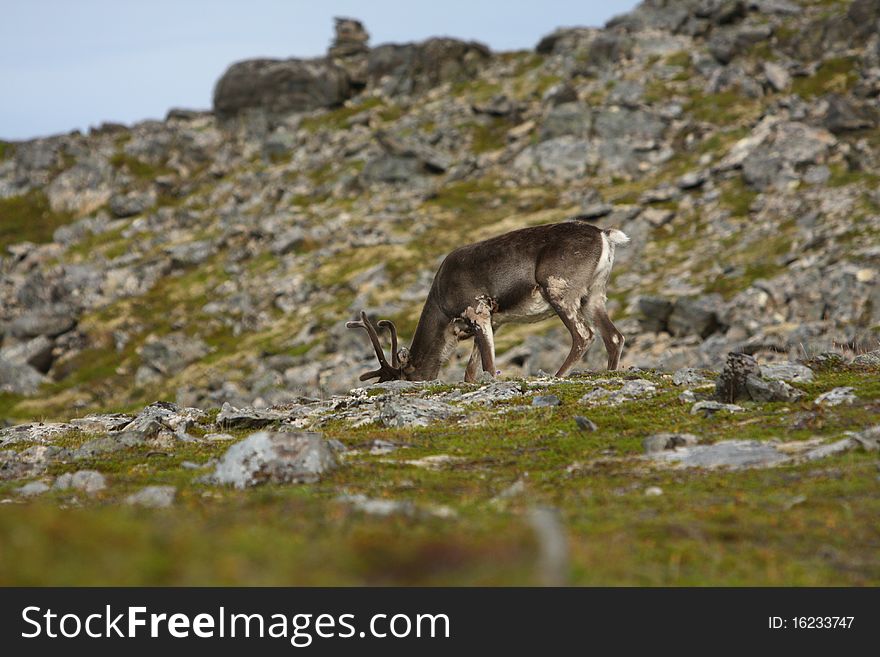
[809, 524]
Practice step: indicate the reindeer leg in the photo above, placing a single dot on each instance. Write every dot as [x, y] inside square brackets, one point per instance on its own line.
[612, 338]
[568, 309]
[470, 372]
[480, 319]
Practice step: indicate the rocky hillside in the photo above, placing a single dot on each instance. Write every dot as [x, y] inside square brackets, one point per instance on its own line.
[211, 261]
[214, 256]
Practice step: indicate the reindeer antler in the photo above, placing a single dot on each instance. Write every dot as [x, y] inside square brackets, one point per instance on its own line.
[385, 372]
[387, 323]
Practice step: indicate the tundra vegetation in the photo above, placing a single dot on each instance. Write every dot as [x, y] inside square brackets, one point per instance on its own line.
[171, 288]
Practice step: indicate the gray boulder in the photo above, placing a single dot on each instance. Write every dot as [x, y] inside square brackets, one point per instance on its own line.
[399, 411]
[19, 378]
[413, 67]
[280, 458]
[87, 481]
[868, 358]
[656, 312]
[247, 418]
[725, 454]
[172, 353]
[760, 390]
[280, 86]
[662, 441]
[36, 352]
[153, 497]
[131, 204]
[787, 372]
[566, 119]
[50, 321]
[695, 316]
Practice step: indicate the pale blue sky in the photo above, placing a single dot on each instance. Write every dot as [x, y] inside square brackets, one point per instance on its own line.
[68, 64]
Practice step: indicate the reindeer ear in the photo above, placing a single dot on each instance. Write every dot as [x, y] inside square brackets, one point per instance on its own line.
[403, 356]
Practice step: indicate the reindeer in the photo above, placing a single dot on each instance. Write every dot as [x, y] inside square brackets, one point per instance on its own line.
[522, 276]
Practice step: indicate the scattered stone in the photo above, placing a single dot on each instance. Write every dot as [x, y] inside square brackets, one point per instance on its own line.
[687, 397]
[109, 444]
[87, 481]
[661, 441]
[631, 390]
[709, 407]
[35, 432]
[546, 401]
[837, 396]
[380, 447]
[692, 180]
[492, 393]
[695, 316]
[584, 424]
[19, 378]
[688, 376]
[433, 462]
[727, 453]
[559, 94]
[102, 422]
[399, 411]
[653, 491]
[656, 311]
[777, 76]
[218, 437]
[385, 508]
[378, 507]
[868, 358]
[280, 458]
[33, 489]
[790, 372]
[230, 417]
[760, 390]
[280, 86]
[153, 497]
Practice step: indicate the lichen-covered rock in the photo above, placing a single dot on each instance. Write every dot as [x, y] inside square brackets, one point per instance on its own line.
[280, 86]
[87, 481]
[789, 372]
[247, 418]
[724, 454]
[760, 390]
[413, 67]
[153, 497]
[280, 458]
[836, 397]
[399, 411]
[660, 441]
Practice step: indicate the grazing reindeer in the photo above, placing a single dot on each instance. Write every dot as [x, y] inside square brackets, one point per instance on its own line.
[523, 276]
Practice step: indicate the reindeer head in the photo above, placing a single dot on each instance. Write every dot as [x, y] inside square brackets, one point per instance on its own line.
[399, 359]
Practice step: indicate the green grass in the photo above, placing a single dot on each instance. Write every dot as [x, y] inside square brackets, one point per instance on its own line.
[722, 108]
[737, 197]
[141, 170]
[29, 218]
[835, 75]
[490, 135]
[810, 524]
[6, 149]
[339, 118]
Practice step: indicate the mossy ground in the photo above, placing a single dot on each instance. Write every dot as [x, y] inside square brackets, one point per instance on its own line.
[811, 524]
[28, 218]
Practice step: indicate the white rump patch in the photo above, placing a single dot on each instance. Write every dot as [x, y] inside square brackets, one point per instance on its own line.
[617, 237]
